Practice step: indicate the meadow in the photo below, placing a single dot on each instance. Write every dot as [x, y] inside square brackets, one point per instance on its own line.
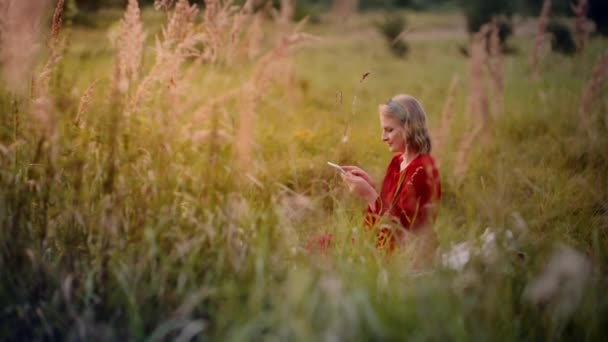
[162, 180]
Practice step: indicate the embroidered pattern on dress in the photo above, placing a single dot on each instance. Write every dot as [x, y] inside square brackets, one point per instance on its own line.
[411, 181]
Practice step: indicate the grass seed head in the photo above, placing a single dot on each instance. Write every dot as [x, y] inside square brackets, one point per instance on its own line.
[592, 91]
[20, 40]
[130, 43]
[580, 26]
[540, 39]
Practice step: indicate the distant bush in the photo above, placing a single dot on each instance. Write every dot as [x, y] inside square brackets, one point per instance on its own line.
[505, 29]
[598, 12]
[311, 9]
[558, 7]
[89, 5]
[562, 40]
[479, 12]
[412, 4]
[94, 5]
[422, 4]
[391, 28]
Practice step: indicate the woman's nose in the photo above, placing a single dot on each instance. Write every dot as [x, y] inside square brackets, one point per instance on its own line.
[384, 137]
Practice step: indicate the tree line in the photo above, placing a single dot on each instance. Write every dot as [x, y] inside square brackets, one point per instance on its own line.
[477, 11]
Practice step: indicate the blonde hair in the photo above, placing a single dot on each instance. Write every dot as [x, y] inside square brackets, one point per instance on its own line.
[409, 111]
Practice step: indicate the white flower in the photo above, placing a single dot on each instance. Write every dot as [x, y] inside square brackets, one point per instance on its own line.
[458, 256]
[561, 285]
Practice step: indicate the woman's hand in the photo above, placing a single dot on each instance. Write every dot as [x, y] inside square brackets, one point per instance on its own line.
[360, 187]
[354, 170]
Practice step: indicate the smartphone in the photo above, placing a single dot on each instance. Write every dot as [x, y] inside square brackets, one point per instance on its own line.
[337, 167]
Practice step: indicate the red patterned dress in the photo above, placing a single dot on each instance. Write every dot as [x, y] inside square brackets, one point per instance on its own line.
[409, 200]
[409, 197]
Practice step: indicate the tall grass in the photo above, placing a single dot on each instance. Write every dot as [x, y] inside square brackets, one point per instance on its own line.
[580, 27]
[477, 102]
[178, 205]
[540, 40]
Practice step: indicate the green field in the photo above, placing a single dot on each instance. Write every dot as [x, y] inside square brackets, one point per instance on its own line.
[149, 223]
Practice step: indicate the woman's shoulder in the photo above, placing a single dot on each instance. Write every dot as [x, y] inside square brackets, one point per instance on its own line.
[396, 158]
[424, 160]
[395, 161]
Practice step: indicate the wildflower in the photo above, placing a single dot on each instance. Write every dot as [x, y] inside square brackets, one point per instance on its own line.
[458, 256]
[321, 243]
[562, 283]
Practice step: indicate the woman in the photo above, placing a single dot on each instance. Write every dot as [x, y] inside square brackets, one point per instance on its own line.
[409, 197]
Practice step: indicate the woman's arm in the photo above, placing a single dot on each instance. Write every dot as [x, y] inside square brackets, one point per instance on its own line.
[361, 187]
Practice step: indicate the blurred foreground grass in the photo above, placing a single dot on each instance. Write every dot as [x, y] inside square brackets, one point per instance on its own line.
[184, 243]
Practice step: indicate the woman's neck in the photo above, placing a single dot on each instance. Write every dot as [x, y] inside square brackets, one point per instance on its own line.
[407, 158]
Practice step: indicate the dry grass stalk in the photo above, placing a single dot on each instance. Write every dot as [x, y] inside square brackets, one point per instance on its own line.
[288, 8]
[281, 70]
[204, 112]
[130, 45]
[464, 151]
[592, 91]
[225, 28]
[55, 53]
[345, 9]
[163, 5]
[495, 64]
[265, 73]
[42, 108]
[177, 42]
[20, 39]
[56, 24]
[45, 121]
[83, 105]
[206, 136]
[235, 44]
[117, 87]
[580, 24]
[539, 41]
[286, 72]
[180, 23]
[218, 22]
[477, 101]
[446, 115]
[256, 36]
[244, 139]
[278, 66]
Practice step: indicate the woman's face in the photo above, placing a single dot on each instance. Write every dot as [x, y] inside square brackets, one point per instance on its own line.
[393, 132]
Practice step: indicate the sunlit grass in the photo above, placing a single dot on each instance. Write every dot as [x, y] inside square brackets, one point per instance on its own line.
[185, 244]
